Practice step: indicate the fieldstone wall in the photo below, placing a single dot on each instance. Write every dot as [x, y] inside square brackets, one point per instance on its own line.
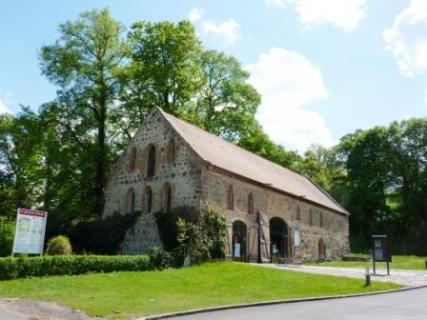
[194, 183]
[182, 174]
[312, 222]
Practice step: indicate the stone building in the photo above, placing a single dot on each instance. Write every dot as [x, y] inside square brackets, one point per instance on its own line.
[272, 213]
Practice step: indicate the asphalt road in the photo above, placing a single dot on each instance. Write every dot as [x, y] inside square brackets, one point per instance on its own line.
[6, 315]
[404, 305]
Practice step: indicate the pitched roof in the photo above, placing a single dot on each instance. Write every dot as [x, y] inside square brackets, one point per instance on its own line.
[232, 158]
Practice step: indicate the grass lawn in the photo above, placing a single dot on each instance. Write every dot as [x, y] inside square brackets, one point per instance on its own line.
[399, 262]
[126, 294]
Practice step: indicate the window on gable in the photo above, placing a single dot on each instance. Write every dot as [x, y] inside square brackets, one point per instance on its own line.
[130, 201]
[148, 200]
[310, 217]
[251, 203]
[151, 161]
[321, 219]
[230, 198]
[166, 198]
[171, 151]
[132, 159]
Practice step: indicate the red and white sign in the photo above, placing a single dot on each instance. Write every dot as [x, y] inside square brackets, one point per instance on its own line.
[30, 231]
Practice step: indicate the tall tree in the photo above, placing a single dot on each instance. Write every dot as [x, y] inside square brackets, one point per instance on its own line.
[83, 63]
[163, 71]
[225, 103]
[21, 162]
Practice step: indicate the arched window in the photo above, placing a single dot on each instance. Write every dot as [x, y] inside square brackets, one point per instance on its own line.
[166, 198]
[321, 250]
[148, 200]
[151, 161]
[230, 198]
[298, 214]
[310, 217]
[132, 159]
[171, 151]
[130, 201]
[251, 203]
[321, 220]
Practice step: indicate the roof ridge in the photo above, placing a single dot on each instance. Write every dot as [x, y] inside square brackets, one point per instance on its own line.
[325, 193]
[232, 144]
[237, 160]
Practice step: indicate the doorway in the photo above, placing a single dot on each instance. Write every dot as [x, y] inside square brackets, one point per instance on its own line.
[239, 241]
[279, 240]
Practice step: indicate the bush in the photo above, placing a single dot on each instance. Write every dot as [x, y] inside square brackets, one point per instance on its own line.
[160, 259]
[59, 245]
[102, 236]
[23, 267]
[7, 231]
[197, 234]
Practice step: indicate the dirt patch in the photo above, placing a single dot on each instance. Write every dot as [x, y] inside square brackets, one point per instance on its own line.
[42, 310]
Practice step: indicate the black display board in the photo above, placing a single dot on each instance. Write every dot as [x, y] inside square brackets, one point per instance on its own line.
[381, 251]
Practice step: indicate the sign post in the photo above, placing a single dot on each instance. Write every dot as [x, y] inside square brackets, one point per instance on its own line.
[30, 231]
[381, 251]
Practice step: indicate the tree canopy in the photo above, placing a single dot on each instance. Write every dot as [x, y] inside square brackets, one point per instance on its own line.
[107, 79]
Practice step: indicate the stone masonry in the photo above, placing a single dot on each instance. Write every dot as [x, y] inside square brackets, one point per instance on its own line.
[182, 176]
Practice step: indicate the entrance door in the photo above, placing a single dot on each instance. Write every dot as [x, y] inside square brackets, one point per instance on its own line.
[279, 240]
[239, 241]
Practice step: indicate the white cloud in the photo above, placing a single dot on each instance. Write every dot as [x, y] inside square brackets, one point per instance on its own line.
[345, 14]
[195, 14]
[275, 3]
[226, 31]
[3, 107]
[407, 38]
[288, 83]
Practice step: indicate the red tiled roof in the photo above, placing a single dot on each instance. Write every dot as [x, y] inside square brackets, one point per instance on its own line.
[232, 158]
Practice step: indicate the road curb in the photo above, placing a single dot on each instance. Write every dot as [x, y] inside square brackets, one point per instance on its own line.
[273, 302]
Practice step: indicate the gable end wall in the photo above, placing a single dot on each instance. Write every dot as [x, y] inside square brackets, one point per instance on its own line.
[183, 175]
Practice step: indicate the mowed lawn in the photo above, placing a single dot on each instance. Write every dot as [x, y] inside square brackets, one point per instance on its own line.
[126, 294]
[399, 262]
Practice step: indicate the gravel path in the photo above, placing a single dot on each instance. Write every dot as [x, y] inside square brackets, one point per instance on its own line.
[407, 278]
[18, 309]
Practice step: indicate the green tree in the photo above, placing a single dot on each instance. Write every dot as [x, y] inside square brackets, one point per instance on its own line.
[226, 103]
[83, 63]
[21, 162]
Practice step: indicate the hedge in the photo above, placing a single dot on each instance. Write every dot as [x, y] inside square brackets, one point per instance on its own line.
[23, 267]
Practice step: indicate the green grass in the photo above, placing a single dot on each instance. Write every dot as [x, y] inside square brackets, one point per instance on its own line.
[127, 294]
[399, 262]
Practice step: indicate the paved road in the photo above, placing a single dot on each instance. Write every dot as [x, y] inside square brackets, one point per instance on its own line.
[6, 315]
[405, 305]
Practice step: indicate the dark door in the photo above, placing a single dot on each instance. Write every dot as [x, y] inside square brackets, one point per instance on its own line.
[239, 241]
[279, 239]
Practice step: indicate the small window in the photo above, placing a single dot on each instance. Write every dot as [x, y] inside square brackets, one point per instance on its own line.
[310, 217]
[171, 151]
[298, 214]
[166, 198]
[151, 161]
[251, 203]
[321, 249]
[130, 201]
[148, 197]
[321, 219]
[230, 198]
[132, 159]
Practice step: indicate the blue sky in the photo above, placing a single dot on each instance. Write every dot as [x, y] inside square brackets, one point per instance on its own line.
[324, 67]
